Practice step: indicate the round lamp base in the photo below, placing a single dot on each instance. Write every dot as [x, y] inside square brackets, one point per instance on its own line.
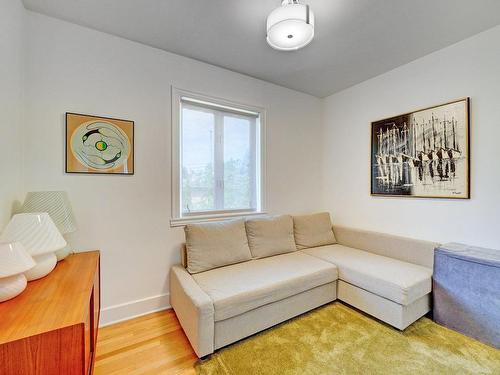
[44, 265]
[12, 286]
[63, 253]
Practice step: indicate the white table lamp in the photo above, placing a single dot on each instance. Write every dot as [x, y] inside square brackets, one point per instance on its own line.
[57, 205]
[14, 260]
[40, 237]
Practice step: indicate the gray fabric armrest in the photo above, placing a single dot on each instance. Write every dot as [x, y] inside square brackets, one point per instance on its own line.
[194, 309]
[406, 249]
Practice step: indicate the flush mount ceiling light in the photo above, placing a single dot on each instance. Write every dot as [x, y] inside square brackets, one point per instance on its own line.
[291, 26]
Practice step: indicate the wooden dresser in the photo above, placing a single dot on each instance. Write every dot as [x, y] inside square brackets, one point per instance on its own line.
[51, 328]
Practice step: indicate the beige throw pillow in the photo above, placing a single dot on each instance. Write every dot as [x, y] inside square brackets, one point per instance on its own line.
[212, 245]
[313, 230]
[270, 236]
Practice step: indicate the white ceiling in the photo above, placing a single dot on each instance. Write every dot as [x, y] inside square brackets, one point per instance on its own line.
[355, 39]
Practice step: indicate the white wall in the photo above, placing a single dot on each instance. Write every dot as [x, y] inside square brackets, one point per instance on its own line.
[469, 68]
[70, 68]
[11, 104]
[312, 162]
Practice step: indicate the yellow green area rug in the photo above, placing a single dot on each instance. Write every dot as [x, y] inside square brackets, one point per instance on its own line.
[336, 339]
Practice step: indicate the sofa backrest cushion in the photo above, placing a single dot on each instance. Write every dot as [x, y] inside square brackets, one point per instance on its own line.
[270, 236]
[217, 244]
[313, 230]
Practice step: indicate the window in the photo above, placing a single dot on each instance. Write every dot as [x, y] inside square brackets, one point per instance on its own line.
[217, 158]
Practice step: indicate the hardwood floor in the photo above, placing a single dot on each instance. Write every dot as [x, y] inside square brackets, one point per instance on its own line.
[152, 344]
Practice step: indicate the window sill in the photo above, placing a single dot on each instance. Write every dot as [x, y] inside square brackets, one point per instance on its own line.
[180, 222]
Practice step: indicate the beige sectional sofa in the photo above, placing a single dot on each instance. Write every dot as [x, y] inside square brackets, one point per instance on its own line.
[241, 277]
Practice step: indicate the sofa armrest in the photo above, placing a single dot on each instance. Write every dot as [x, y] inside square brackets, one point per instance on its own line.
[194, 309]
[402, 248]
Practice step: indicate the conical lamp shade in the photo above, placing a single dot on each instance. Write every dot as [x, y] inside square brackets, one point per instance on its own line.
[14, 259]
[36, 232]
[56, 204]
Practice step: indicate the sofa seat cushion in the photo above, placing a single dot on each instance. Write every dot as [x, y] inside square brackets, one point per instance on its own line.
[390, 278]
[239, 288]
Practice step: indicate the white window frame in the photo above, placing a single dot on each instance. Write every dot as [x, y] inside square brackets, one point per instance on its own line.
[180, 219]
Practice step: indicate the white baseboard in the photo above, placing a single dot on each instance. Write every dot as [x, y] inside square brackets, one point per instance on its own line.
[125, 311]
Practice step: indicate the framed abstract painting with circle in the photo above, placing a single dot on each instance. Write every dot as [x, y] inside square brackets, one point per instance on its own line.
[99, 145]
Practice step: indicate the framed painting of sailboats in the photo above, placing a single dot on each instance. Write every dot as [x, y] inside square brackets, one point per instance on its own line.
[424, 153]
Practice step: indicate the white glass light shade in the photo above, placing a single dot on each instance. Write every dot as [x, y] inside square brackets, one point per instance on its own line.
[36, 232]
[56, 204]
[14, 260]
[290, 27]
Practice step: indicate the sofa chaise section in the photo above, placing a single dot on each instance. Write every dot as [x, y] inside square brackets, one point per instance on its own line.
[398, 281]
[396, 291]
[379, 285]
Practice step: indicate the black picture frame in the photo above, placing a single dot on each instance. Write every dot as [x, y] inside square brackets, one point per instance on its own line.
[438, 156]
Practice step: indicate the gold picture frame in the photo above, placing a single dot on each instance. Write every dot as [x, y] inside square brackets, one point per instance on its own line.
[99, 145]
[422, 154]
